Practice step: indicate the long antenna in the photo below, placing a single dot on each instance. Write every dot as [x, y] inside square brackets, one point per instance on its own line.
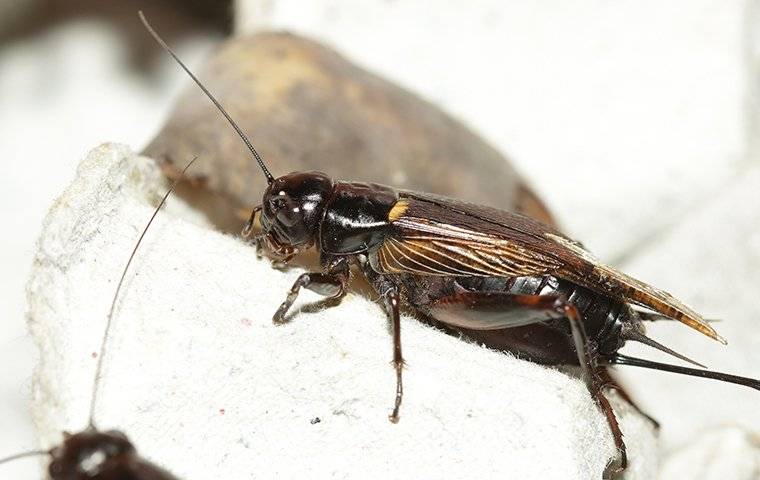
[99, 367]
[31, 453]
[213, 99]
[723, 377]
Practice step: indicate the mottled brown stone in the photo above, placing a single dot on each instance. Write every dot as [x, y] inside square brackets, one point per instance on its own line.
[306, 107]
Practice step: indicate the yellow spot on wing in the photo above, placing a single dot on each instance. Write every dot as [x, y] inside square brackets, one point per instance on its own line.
[398, 210]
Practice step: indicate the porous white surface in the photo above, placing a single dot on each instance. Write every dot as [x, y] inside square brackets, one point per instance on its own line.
[204, 383]
[63, 89]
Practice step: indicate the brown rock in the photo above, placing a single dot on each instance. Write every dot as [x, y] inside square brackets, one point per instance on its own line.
[305, 107]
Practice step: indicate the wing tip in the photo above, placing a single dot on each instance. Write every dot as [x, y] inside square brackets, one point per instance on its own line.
[704, 328]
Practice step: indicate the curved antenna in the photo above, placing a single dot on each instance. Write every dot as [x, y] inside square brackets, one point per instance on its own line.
[99, 367]
[213, 99]
[723, 377]
[31, 453]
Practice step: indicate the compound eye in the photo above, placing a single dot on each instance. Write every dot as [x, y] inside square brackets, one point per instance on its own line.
[278, 203]
[289, 214]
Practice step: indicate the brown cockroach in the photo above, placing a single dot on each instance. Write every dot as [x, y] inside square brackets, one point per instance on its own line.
[93, 454]
[468, 266]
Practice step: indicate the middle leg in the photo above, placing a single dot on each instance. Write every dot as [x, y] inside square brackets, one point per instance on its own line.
[392, 301]
[389, 292]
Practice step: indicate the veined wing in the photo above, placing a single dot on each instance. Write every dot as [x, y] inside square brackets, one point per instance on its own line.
[440, 236]
[430, 248]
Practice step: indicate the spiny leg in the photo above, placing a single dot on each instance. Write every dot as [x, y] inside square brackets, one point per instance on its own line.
[594, 383]
[388, 290]
[392, 301]
[609, 381]
[497, 310]
[331, 284]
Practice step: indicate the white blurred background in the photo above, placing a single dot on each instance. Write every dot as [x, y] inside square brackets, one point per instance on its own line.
[636, 120]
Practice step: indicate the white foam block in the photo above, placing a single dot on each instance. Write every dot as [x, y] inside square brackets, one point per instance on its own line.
[203, 382]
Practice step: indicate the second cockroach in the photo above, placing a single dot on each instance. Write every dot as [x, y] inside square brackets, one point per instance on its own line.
[467, 266]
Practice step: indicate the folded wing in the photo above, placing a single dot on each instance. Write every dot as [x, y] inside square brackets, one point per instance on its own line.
[439, 236]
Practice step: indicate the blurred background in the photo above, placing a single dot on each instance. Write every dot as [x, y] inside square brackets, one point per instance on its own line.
[636, 122]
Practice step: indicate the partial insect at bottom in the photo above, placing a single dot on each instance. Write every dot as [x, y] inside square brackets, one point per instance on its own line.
[92, 453]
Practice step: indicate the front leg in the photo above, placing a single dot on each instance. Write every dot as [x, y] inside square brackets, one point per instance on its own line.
[332, 284]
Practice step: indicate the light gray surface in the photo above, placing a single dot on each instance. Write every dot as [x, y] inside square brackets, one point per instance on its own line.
[712, 260]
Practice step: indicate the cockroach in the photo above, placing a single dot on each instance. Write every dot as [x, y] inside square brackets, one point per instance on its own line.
[467, 266]
[93, 454]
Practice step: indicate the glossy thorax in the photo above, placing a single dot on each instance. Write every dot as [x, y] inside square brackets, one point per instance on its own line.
[302, 209]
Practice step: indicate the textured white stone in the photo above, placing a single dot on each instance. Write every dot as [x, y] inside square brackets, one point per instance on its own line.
[200, 378]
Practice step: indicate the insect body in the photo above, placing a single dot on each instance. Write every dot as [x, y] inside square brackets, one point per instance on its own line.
[93, 454]
[473, 267]
[467, 266]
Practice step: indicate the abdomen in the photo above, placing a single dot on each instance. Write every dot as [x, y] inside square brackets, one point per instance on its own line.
[533, 335]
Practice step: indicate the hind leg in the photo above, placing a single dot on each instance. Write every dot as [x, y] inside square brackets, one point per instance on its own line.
[496, 310]
[611, 382]
[594, 383]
